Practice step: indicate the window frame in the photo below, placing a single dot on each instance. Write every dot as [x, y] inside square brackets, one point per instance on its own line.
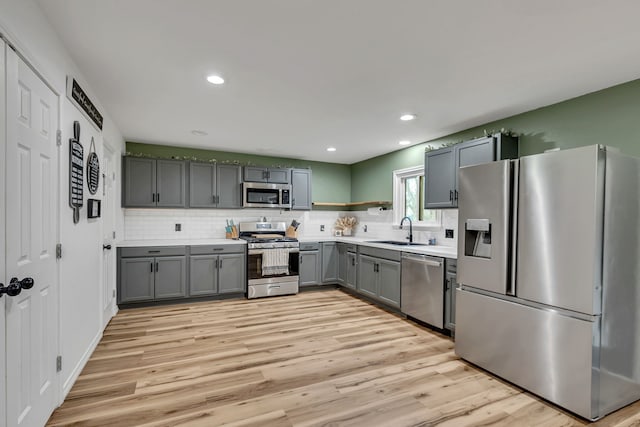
[399, 199]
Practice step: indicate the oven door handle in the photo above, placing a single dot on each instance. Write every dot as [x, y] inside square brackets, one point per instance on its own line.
[261, 251]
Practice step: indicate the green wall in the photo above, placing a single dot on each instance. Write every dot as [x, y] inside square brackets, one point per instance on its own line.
[610, 117]
[331, 182]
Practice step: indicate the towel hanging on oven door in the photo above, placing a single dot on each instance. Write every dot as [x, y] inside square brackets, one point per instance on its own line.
[275, 262]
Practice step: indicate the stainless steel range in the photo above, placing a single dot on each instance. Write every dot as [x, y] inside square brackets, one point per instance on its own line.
[273, 259]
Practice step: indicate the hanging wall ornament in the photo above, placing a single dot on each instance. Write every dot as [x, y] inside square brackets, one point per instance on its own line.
[93, 169]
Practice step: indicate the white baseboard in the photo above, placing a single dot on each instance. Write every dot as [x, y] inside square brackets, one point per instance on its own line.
[75, 373]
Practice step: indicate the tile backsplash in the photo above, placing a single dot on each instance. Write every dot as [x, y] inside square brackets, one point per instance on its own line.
[144, 224]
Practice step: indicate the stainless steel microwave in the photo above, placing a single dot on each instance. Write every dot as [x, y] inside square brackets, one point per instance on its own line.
[262, 195]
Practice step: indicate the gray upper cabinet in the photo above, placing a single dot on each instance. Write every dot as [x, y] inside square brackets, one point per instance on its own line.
[154, 183]
[441, 166]
[215, 186]
[329, 262]
[229, 185]
[171, 184]
[139, 182]
[202, 185]
[261, 174]
[440, 178]
[301, 189]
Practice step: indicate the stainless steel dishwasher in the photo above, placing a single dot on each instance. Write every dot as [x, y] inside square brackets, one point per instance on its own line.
[423, 288]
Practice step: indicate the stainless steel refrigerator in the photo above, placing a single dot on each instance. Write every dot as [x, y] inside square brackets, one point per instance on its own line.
[548, 267]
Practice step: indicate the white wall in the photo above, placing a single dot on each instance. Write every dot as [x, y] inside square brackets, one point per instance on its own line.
[22, 22]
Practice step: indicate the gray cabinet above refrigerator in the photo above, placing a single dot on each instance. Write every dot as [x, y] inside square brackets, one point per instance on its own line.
[441, 166]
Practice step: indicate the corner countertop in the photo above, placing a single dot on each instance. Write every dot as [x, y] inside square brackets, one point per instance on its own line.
[433, 250]
[177, 242]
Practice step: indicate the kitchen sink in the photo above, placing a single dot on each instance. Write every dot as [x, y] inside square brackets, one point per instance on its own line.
[397, 243]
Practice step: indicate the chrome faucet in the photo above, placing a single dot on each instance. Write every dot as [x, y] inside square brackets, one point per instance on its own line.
[410, 236]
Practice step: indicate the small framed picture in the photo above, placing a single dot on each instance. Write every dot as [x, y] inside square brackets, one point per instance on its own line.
[93, 208]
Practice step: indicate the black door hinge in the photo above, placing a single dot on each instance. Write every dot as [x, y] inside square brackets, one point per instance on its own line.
[59, 251]
[58, 363]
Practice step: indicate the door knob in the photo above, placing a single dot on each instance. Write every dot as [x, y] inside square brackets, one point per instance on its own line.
[26, 283]
[12, 290]
[107, 247]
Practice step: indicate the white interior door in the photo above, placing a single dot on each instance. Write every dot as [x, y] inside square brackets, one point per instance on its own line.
[3, 238]
[31, 194]
[108, 233]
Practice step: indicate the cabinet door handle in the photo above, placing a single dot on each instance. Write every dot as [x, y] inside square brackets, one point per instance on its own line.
[157, 197]
[151, 265]
[153, 197]
[216, 262]
[220, 264]
[156, 266]
[451, 195]
[456, 194]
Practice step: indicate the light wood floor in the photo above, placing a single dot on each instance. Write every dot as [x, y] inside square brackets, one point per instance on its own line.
[317, 358]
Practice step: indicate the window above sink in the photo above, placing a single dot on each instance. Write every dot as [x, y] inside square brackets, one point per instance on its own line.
[408, 199]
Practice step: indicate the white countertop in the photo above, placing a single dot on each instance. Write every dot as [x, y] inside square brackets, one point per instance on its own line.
[177, 242]
[434, 250]
[437, 250]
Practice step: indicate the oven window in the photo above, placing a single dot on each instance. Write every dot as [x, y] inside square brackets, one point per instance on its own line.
[263, 196]
[255, 266]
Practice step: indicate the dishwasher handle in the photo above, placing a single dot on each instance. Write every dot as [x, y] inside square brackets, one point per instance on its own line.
[423, 259]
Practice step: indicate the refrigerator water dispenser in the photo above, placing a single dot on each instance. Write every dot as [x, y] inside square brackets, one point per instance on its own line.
[477, 239]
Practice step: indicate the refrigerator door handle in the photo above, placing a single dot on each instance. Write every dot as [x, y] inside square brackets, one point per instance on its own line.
[515, 173]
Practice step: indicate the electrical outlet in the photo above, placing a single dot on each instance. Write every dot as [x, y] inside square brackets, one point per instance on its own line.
[322, 228]
[448, 233]
[364, 228]
[178, 227]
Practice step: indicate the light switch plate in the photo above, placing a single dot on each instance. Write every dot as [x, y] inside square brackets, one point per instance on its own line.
[322, 228]
[448, 233]
[178, 227]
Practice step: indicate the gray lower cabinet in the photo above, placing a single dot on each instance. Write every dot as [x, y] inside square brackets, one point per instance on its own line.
[367, 276]
[148, 274]
[170, 277]
[441, 166]
[352, 270]
[147, 278]
[310, 266]
[378, 275]
[342, 262]
[215, 186]
[217, 269]
[154, 183]
[301, 189]
[329, 262]
[450, 294]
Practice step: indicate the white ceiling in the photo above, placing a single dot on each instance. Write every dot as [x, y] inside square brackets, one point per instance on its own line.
[303, 75]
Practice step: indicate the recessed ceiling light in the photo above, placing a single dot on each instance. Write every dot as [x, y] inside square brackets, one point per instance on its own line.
[331, 149]
[407, 117]
[216, 80]
[405, 142]
[197, 132]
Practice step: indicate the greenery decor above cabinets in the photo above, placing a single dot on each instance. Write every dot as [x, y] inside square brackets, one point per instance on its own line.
[215, 186]
[154, 183]
[271, 175]
[441, 166]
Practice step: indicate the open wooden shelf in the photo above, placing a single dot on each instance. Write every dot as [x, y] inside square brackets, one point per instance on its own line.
[352, 204]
